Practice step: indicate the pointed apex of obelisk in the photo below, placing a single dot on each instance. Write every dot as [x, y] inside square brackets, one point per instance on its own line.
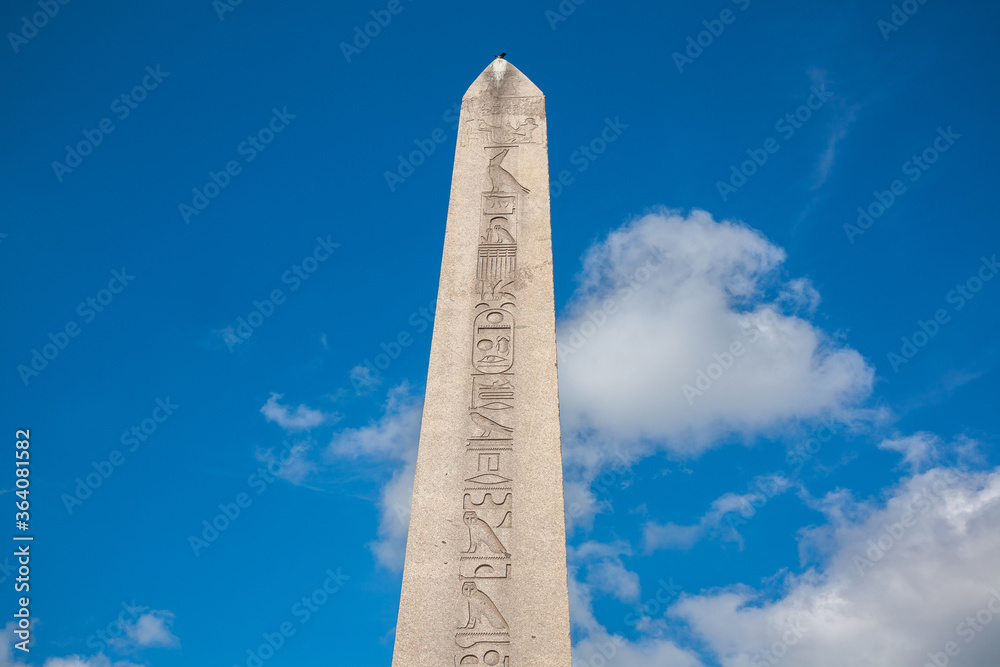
[502, 79]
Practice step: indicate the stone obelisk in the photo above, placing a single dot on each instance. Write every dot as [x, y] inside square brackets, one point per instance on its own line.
[485, 580]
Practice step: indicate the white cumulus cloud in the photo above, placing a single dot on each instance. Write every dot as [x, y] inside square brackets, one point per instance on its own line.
[669, 301]
[683, 331]
[391, 439]
[899, 580]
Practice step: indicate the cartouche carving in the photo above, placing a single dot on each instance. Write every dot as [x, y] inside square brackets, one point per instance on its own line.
[493, 351]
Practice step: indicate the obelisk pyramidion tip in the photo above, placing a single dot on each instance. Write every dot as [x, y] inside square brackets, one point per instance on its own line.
[499, 68]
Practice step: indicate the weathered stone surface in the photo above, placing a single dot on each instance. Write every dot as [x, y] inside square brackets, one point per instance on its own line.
[485, 576]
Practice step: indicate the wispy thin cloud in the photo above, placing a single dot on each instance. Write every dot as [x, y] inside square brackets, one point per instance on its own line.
[300, 418]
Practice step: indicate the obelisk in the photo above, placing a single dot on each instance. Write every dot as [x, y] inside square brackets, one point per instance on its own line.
[485, 579]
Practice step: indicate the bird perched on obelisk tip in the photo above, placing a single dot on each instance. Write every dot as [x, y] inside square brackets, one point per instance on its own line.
[484, 581]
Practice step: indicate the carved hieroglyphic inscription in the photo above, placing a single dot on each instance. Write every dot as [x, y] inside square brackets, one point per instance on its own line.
[493, 351]
[485, 576]
[492, 392]
[504, 120]
[488, 558]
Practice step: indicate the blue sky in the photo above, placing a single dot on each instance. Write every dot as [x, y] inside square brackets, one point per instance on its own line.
[218, 216]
